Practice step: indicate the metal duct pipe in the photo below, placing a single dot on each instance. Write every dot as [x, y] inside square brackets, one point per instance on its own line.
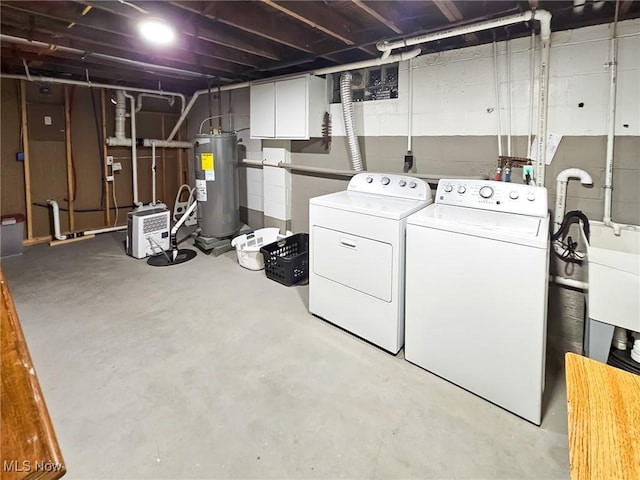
[347, 113]
[64, 81]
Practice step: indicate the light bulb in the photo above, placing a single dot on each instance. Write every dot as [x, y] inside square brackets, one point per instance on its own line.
[156, 31]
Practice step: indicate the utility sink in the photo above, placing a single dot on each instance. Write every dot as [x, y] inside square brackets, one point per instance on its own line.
[614, 276]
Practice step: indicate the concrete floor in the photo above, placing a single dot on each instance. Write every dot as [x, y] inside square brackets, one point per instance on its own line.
[208, 370]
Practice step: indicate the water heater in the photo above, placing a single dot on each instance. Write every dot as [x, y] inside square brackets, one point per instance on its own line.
[216, 169]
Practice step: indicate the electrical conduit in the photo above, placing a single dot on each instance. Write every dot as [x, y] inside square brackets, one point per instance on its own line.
[347, 113]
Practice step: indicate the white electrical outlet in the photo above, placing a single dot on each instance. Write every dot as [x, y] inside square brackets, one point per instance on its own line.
[109, 159]
[109, 178]
[116, 166]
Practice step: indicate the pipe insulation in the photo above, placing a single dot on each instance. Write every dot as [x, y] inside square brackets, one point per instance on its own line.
[347, 113]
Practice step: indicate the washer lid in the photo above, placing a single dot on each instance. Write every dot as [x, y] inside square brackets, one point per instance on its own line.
[508, 227]
[371, 204]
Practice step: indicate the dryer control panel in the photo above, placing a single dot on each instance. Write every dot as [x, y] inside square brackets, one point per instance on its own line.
[495, 196]
[392, 185]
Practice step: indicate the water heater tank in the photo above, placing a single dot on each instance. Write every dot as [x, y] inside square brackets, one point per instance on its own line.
[216, 169]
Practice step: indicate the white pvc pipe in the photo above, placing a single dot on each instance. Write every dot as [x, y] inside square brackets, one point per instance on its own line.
[410, 108]
[64, 81]
[56, 225]
[322, 71]
[497, 88]
[561, 191]
[153, 95]
[121, 111]
[104, 230]
[56, 220]
[543, 107]
[608, 182]
[508, 98]
[146, 142]
[570, 282]
[531, 83]
[454, 32]
[153, 172]
[84, 53]
[134, 149]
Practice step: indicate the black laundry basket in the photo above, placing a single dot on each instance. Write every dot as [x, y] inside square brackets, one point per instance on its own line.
[287, 261]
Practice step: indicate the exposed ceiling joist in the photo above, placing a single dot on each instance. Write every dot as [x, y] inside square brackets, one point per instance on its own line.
[625, 6]
[323, 18]
[377, 16]
[195, 26]
[449, 10]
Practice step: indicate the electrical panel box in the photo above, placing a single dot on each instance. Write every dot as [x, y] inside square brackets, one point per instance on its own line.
[148, 232]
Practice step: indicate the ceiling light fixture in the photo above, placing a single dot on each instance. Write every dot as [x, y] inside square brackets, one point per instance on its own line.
[156, 31]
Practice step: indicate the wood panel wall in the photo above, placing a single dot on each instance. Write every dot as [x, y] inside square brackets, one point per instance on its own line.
[47, 148]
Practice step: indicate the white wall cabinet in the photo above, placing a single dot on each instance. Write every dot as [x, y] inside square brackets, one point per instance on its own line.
[290, 109]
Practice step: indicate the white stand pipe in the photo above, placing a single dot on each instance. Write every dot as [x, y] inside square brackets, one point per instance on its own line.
[121, 111]
[56, 220]
[608, 182]
[134, 149]
[498, 110]
[543, 95]
[153, 173]
[410, 108]
[531, 83]
[561, 191]
[508, 98]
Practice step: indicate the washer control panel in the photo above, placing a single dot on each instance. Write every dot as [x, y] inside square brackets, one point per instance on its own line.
[491, 195]
[392, 185]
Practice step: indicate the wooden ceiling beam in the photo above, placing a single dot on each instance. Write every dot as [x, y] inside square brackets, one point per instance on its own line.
[89, 47]
[323, 18]
[378, 16]
[449, 10]
[246, 16]
[198, 27]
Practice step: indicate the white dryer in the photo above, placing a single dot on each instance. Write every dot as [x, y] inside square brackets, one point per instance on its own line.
[483, 326]
[357, 255]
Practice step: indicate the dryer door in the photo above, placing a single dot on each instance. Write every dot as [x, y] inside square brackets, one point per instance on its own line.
[355, 262]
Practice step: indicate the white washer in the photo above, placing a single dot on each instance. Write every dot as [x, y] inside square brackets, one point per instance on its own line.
[357, 255]
[482, 251]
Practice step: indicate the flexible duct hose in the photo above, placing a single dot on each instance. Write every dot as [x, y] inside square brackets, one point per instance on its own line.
[347, 113]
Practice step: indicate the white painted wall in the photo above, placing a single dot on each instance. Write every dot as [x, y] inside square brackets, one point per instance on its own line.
[454, 89]
[251, 188]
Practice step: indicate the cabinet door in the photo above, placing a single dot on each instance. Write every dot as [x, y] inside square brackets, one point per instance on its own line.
[262, 110]
[292, 104]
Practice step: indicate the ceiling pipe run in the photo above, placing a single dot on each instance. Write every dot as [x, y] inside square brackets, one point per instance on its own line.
[102, 56]
[80, 83]
[543, 16]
